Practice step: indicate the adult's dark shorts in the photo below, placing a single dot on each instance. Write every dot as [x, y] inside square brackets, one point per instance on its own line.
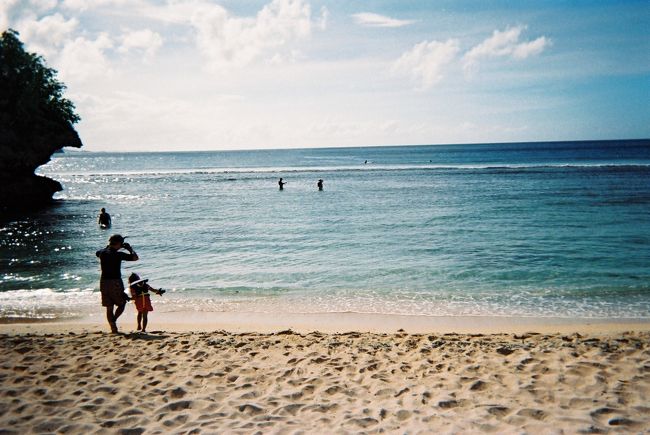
[112, 292]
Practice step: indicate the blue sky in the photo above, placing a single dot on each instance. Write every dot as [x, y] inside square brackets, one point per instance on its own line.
[201, 74]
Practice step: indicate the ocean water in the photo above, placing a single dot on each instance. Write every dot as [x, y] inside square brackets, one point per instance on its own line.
[520, 229]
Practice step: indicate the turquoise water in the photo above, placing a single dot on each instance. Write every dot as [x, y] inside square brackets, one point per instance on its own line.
[531, 229]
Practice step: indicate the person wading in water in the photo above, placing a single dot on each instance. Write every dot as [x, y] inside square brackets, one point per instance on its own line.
[110, 283]
[104, 219]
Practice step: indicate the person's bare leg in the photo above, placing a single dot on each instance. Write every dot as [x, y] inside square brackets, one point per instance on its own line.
[139, 321]
[111, 318]
[119, 311]
[144, 321]
[109, 314]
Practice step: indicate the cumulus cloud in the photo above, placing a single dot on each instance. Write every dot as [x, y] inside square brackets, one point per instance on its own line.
[502, 44]
[227, 40]
[144, 40]
[46, 35]
[18, 7]
[224, 40]
[83, 58]
[375, 20]
[57, 38]
[426, 61]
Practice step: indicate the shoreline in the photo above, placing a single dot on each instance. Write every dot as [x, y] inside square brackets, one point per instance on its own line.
[256, 322]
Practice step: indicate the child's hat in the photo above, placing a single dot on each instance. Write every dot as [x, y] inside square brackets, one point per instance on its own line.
[134, 279]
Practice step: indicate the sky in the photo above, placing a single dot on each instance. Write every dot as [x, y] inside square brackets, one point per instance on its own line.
[168, 75]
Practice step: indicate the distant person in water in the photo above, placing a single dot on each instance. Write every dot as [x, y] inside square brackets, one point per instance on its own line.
[110, 283]
[104, 219]
[140, 292]
[281, 184]
[320, 184]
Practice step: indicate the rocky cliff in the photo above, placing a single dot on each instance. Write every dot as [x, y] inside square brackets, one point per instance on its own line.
[35, 121]
[21, 154]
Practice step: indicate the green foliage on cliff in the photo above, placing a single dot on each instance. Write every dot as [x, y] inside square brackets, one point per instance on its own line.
[29, 90]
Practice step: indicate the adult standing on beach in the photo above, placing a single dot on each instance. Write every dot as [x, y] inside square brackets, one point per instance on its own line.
[281, 184]
[110, 283]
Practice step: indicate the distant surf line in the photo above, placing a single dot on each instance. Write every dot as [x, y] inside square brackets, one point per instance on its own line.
[363, 168]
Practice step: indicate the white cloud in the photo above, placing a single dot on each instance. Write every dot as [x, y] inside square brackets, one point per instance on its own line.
[504, 43]
[46, 35]
[43, 5]
[82, 5]
[324, 16]
[5, 12]
[25, 7]
[227, 40]
[76, 5]
[532, 48]
[375, 20]
[145, 40]
[427, 61]
[295, 95]
[83, 58]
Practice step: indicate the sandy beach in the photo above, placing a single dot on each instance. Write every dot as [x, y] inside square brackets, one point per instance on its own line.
[77, 378]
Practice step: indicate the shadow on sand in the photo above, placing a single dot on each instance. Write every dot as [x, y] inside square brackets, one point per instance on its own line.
[146, 336]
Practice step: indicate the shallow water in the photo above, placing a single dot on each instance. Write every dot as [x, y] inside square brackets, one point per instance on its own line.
[555, 229]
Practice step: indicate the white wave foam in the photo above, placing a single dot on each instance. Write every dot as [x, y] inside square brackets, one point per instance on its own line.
[369, 168]
[46, 303]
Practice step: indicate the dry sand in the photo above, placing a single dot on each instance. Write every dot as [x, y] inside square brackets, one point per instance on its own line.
[285, 382]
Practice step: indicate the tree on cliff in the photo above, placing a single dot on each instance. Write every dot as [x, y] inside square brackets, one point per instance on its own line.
[35, 121]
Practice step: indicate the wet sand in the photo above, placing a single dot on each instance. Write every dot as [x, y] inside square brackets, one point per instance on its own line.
[83, 380]
[327, 322]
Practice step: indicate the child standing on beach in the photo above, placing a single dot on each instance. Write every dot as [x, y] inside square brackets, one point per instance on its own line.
[140, 292]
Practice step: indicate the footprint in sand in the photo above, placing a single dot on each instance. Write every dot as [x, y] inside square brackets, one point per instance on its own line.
[130, 412]
[133, 431]
[364, 422]
[23, 349]
[385, 392]
[448, 404]
[622, 421]
[291, 409]
[498, 411]
[51, 379]
[478, 386]
[250, 408]
[176, 421]
[174, 407]
[249, 395]
[602, 411]
[536, 414]
[403, 414]
[177, 393]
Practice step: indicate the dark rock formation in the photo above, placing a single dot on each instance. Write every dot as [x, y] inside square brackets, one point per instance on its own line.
[35, 122]
[20, 156]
